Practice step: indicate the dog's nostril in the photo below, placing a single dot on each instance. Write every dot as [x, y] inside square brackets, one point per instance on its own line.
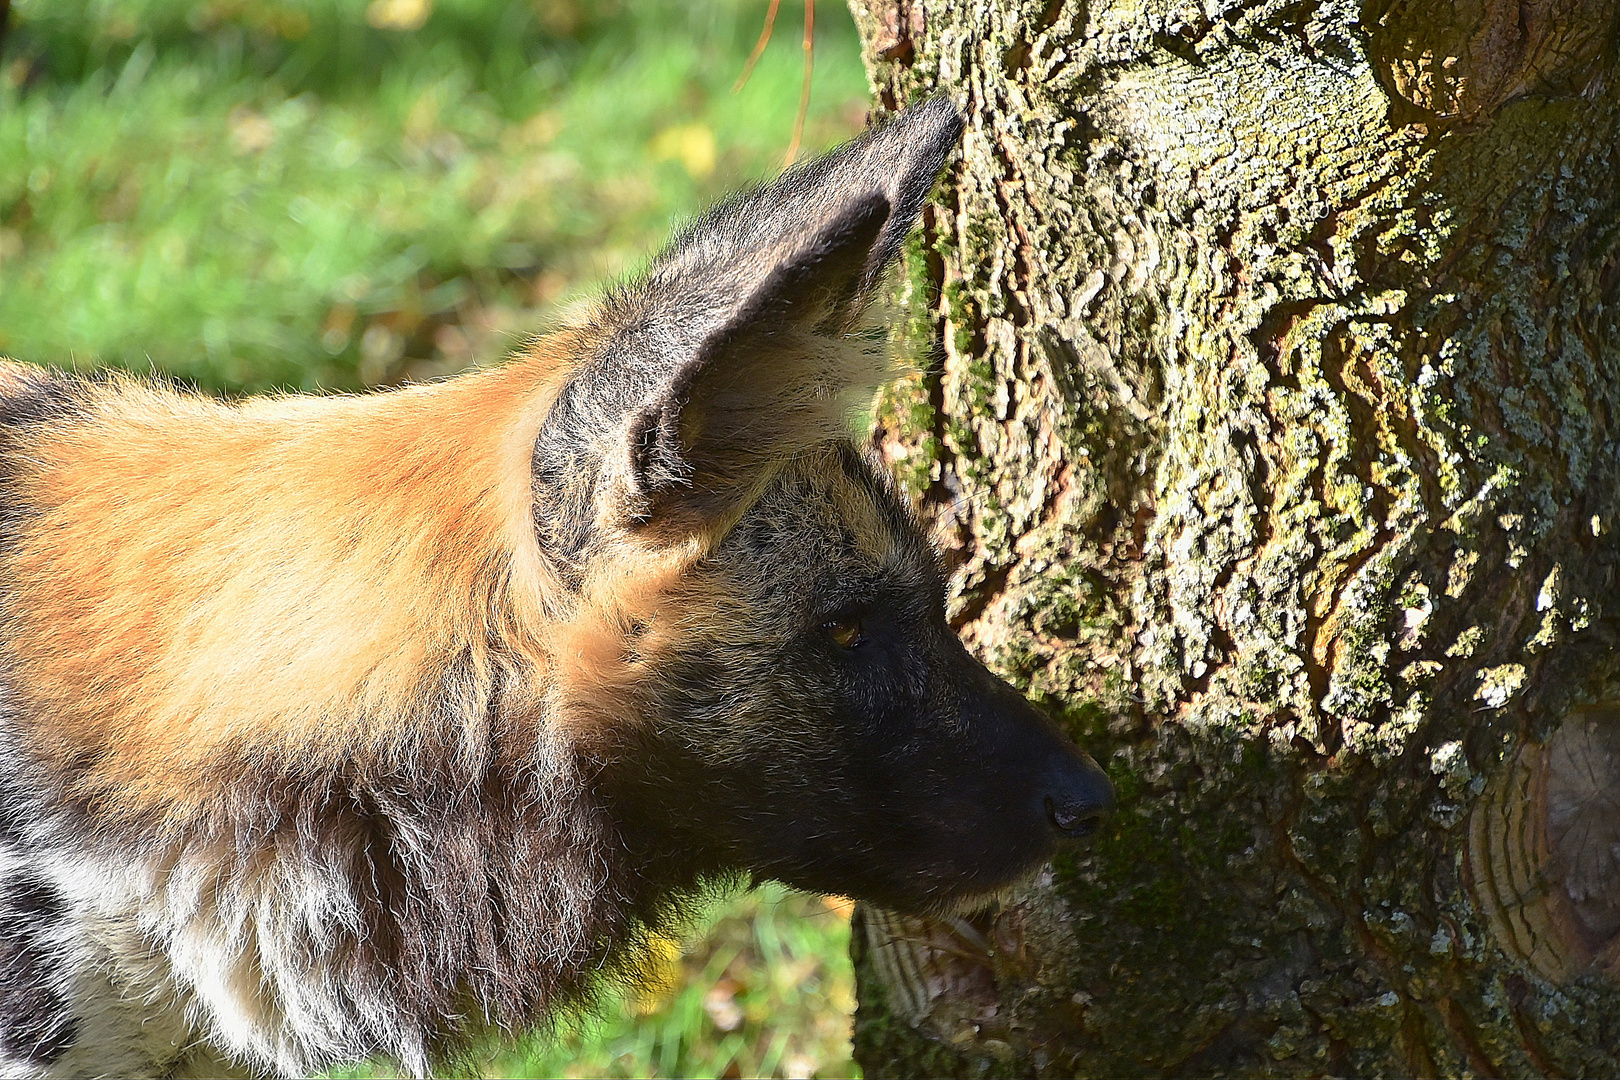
[1075, 820]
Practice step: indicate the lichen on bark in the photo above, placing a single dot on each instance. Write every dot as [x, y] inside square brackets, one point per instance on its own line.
[1268, 437]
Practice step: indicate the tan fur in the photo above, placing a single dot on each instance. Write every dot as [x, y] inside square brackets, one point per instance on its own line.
[279, 579]
[609, 644]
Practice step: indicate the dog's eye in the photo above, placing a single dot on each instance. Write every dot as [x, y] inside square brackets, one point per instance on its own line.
[846, 632]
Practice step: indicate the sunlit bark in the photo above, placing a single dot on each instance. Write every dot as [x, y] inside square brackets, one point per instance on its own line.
[1272, 430]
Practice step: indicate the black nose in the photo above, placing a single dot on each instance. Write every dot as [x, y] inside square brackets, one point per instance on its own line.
[1075, 820]
[1078, 796]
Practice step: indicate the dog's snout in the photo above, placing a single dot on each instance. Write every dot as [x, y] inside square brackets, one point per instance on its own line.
[1078, 796]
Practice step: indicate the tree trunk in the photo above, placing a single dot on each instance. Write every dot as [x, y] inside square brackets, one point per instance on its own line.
[1272, 429]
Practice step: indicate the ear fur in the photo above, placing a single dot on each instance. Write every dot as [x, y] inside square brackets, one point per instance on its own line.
[771, 381]
[741, 345]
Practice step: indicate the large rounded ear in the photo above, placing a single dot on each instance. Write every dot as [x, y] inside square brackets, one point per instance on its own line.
[741, 346]
[773, 379]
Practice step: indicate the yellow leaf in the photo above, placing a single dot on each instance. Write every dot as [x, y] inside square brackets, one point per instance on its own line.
[398, 14]
[660, 975]
[690, 144]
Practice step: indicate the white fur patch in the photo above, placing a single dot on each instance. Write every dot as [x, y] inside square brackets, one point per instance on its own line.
[164, 958]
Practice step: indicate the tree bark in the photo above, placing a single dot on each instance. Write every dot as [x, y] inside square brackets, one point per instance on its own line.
[1271, 430]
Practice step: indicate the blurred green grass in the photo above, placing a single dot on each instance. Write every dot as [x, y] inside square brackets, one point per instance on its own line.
[277, 193]
[762, 988]
[333, 194]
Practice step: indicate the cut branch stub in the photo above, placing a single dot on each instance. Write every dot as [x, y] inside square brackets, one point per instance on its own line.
[1544, 850]
[938, 972]
[1463, 59]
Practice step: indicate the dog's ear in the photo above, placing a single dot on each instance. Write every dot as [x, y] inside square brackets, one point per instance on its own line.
[743, 344]
[775, 377]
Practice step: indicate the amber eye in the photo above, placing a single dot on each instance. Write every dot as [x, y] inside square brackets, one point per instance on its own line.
[846, 632]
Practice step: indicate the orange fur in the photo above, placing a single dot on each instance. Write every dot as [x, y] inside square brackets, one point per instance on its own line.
[610, 643]
[305, 583]
[285, 579]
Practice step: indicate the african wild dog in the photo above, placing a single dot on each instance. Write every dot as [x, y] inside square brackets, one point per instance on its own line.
[344, 726]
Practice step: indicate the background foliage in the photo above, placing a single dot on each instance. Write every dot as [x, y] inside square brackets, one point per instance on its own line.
[333, 194]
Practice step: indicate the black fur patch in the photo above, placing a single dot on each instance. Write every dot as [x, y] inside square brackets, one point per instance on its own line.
[44, 398]
[34, 899]
[36, 1023]
[15, 805]
[40, 400]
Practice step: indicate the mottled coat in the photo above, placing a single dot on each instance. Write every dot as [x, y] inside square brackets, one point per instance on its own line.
[342, 726]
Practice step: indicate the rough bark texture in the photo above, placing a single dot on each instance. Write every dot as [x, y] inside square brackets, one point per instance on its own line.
[1273, 429]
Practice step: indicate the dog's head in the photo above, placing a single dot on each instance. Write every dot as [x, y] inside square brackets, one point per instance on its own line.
[757, 632]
